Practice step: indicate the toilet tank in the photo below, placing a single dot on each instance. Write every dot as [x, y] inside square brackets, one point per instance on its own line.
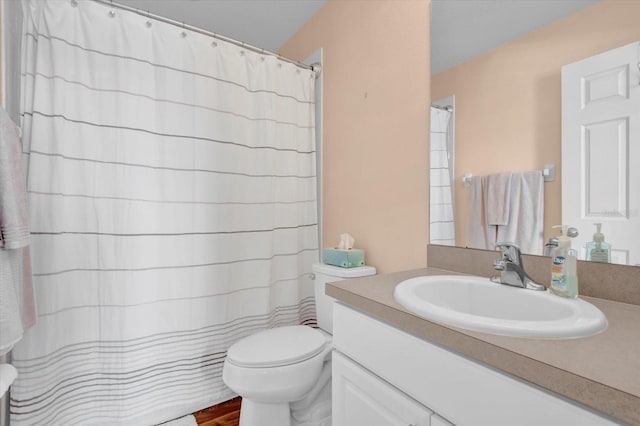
[327, 274]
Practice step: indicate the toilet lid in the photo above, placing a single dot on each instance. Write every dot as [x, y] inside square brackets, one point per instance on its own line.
[277, 346]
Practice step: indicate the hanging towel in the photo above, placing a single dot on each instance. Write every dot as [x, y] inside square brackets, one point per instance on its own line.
[17, 304]
[525, 226]
[480, 235]
[497, 201]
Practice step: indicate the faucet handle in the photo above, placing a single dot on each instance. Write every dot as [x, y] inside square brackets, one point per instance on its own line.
[510, 252]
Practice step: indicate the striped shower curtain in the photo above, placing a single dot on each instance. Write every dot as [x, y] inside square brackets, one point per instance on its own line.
[441, 218]
[172, 191]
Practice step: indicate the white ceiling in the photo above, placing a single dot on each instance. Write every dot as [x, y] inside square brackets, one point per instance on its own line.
[463, 29]
[460, 29]
[267, 24]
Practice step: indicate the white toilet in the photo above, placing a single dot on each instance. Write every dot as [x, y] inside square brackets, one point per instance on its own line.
[284, 374]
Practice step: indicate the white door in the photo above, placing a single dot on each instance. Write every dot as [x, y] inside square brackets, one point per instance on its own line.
[361, 398]
[601, 150]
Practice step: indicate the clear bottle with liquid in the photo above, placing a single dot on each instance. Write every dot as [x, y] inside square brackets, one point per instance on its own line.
[564, 262]
[598, 250]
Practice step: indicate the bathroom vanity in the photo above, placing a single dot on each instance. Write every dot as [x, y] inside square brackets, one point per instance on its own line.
[393, 365]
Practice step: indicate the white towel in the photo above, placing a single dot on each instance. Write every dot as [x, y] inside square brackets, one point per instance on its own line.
[526, 215]
[17, 304]
[497, 201]
[480, 235]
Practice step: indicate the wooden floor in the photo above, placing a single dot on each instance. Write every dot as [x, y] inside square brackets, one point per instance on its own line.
[225, 414]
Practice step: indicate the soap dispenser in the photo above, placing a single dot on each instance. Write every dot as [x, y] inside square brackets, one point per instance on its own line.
[564, 260]
[598, 250]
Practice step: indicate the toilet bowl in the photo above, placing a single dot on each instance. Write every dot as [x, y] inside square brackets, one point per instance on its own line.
[287, 370]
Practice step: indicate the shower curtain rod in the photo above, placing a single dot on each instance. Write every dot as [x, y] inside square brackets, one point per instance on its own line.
[313, 67]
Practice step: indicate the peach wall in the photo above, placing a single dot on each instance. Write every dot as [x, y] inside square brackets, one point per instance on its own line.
[376, 103]
[508, 102]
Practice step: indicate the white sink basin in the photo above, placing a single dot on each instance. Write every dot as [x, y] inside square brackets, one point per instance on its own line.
[478, 304]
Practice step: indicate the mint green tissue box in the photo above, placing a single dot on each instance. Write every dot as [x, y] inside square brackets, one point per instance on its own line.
[344, 258]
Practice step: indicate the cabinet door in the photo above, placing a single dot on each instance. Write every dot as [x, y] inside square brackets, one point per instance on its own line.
[361, 398]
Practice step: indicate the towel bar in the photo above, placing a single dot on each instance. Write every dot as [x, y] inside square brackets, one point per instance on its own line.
[548, 173]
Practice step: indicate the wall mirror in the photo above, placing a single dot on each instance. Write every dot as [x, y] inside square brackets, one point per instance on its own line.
[496, 66]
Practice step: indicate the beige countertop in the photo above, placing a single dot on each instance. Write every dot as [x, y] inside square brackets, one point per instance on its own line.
[601, 371]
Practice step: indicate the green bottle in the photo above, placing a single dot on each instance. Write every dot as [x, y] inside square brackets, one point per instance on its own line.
[598, 250]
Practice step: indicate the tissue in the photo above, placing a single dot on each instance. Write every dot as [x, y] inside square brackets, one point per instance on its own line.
[346, 242]
[344, 255]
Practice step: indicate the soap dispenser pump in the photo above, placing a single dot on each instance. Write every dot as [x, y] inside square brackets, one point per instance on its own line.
[598, 250]
[564, 260]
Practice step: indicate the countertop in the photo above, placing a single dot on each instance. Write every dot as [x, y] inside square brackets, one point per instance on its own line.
[600, 371]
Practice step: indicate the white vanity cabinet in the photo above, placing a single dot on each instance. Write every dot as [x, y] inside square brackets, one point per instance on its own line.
[381, 372]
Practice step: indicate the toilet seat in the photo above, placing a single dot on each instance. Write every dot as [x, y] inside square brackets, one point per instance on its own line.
[277, 347]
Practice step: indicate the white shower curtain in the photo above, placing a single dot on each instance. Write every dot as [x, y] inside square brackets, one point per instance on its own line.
[172, 192]
[441, 218]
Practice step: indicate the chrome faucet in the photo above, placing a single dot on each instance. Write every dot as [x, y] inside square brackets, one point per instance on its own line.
[511, 269]
[553, 241]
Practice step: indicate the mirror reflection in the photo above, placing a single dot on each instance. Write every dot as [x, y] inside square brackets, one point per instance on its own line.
[502, 115]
